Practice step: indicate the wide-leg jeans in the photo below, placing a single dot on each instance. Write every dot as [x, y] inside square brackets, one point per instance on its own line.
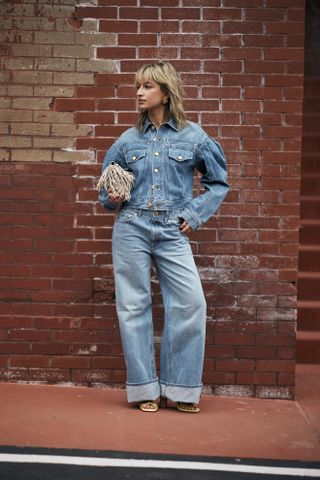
[140, 236]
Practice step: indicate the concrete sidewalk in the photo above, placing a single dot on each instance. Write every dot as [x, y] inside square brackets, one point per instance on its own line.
[85, 418]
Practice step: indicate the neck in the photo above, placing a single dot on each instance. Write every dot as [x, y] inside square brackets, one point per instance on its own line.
[158, 115]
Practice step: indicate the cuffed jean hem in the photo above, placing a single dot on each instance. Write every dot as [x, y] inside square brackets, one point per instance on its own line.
[181, 394]
[146, 391]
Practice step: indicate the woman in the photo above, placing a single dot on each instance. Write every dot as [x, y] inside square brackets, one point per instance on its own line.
[162, 151]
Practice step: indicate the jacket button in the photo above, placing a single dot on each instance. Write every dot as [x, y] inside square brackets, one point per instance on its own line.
[156, 170]
[179, 157]
[156, 154]
[149, 205]
[134, 158]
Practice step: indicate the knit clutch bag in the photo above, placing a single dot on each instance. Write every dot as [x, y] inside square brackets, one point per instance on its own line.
[118, 180]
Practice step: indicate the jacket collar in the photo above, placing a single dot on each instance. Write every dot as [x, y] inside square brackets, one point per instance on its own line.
[171, 123]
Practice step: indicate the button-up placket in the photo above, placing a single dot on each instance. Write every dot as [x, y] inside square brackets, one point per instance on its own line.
[158, 145]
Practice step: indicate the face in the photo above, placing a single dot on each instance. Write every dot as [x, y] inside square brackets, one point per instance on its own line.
[149, 95]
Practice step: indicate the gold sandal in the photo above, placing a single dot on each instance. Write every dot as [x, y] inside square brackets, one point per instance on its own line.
[187, 407]
[148, 406]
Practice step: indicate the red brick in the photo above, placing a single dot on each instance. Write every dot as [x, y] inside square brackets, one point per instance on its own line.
[220, 118]
[254, 378]
[275, 366]
[234, 339]
[257, 351]
[29, 361]
[16, 245]
[141, 39]
[117, 104]
[203, 105]
[284, 80]
[109, 131]
[235, 365]
[118, 26]
[219, 377]
[285, 54]
[244, 80]
[96, 12]
[118, 2]
[180, 13]
[263, 93]
[69, 361]
[190, 52]
[138, 13]
[242, 54]
[264, 67]
[244, 3]
[94, 118]
[221, 92]
[95, 92]
[116, 52]
[264, 40]
[158, 52]
[159, 26]
[286, 3]
[108, 362]
[114, 79]
[171, 40]
[155, 3]
[284, 27]
[265, 14]
[73, 104]
[207, 27]
[242, 27]
[240, 106]
[30, 335]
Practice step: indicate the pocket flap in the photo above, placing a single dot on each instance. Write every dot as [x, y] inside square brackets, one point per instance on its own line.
[180, 155]
[134, 155]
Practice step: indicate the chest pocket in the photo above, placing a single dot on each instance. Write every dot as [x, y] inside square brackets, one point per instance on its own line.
[134, 155]
[181, 155]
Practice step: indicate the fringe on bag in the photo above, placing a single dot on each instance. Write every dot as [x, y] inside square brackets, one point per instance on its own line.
[116, 179]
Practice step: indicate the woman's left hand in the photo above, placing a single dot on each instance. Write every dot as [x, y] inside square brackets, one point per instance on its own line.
[185, 227]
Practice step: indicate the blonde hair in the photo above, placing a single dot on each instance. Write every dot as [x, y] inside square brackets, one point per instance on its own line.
[167, 77]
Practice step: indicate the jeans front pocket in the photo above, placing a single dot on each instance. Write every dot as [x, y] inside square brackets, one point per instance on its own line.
[175, 219]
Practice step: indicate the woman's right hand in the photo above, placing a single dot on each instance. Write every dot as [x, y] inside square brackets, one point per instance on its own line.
[115, 199]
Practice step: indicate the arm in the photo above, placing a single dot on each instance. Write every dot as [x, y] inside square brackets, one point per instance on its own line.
[107, 200]
[211, 163]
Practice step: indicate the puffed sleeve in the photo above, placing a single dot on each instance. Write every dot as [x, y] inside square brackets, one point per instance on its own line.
[115, 155]
[211, 163]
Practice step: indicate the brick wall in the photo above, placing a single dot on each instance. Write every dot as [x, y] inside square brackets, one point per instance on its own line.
[67, 93]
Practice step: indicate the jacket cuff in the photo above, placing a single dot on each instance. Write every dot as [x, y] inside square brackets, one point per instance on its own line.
[105, 200]
[191, 218]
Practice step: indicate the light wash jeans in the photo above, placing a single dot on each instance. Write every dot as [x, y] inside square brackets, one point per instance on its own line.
[138, 237]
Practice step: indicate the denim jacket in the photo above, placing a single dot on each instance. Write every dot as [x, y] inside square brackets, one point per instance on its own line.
[163, 163]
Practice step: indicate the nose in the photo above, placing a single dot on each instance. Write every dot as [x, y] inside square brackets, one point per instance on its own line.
[139, 92]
